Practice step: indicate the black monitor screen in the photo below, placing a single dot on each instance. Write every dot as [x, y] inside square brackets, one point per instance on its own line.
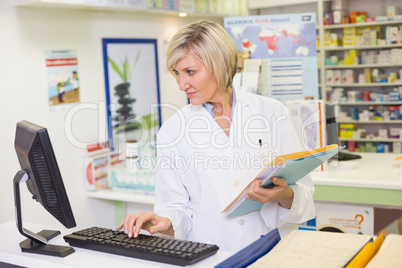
[40, 172]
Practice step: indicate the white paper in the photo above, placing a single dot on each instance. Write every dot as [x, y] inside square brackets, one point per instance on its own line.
[312, 249]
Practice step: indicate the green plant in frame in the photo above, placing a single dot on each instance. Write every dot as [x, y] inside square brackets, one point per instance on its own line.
[122, 91]
[124, 72]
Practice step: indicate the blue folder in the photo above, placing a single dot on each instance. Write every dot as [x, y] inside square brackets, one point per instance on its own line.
[252, 252]
[292, 170]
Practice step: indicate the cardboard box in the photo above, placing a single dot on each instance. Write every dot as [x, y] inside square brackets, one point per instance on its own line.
[345, 218]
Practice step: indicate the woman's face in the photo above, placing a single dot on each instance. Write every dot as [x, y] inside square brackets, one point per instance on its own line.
[193, 78]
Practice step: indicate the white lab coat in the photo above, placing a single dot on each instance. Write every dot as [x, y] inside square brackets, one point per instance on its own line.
[201, 170]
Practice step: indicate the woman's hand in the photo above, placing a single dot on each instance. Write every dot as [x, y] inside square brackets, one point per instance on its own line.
[281, 192]
[148, 221]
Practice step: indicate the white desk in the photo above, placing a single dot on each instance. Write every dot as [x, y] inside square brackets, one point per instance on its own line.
[376, 181]
[10, 252]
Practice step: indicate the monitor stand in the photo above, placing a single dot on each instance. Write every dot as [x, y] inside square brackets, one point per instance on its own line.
[36, 242]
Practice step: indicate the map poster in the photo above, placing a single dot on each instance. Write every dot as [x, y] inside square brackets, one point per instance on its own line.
[62, 77]
[288, 43]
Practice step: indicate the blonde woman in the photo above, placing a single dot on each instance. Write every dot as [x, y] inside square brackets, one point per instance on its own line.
[212, 148]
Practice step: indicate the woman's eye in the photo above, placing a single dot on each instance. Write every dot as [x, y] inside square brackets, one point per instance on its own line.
[190, 72]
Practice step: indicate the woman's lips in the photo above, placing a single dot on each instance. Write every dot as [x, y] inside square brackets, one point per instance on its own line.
[190, 94]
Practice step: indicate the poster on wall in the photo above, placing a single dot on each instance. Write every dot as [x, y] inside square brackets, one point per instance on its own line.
[62, 77]
[287, 43]
[132, 90]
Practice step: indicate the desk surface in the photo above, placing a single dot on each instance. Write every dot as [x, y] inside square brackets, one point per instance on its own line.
[376, 180]
[10, 252]
[372, 171]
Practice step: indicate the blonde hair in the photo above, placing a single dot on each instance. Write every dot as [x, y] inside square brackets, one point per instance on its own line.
[211, 44]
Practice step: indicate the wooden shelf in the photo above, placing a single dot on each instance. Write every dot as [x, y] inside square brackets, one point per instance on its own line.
[370, 103]
[370, 122]
[365, 85]
[371, 140]
[361, 47]
[363, 66]
[365, 24]
[99, 5]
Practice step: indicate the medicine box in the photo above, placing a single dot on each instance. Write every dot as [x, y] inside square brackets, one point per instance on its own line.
[396, 148]
[337, 77]
[96, 171]
[330, 76]
[392, 12]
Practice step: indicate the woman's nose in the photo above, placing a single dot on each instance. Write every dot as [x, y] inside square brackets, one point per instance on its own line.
[183, 83]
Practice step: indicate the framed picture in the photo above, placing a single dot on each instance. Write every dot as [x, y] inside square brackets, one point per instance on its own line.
[132, 90]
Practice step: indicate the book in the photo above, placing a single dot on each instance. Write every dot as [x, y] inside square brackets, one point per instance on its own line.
[291, 167]
[312, 249]
[389, 254]
[316, 249]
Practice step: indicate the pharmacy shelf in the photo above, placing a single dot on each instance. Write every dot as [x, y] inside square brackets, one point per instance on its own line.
[96, 5]
[357, 66]
[365, 85]
[370, 122]
[370, 103]
[371, 140]
[365, 24]
[361, 47]
[125, 196]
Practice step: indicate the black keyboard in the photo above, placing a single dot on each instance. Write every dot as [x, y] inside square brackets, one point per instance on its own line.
[147, 247]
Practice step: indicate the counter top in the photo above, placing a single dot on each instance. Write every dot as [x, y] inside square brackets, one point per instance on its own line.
[378, 171]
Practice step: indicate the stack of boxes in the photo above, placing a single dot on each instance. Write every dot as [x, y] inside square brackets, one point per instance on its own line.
[350, 57]
[338, 77]
[396, 56]
[383, 57]
[369, 57]
[330, 39]
[393, 35]
[368, 35]
[349, 37]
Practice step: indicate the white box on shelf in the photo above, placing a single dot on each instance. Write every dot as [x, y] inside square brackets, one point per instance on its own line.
[330, 76]
[337, 77]
[396, 148]
[395, 132]
[392, 12]
[383, 133]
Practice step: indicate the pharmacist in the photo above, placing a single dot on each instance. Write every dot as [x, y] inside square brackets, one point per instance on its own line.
[211, 149]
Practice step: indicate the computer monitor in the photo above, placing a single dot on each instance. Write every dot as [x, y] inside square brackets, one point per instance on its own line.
[332, 132]
[40, 172]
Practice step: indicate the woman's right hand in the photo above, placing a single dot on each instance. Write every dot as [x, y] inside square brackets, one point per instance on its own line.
[148, 221]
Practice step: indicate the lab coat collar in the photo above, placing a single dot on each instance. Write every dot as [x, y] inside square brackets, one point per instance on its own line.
[241, 99]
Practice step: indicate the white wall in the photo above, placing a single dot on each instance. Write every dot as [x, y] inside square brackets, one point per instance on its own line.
[25, 34]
